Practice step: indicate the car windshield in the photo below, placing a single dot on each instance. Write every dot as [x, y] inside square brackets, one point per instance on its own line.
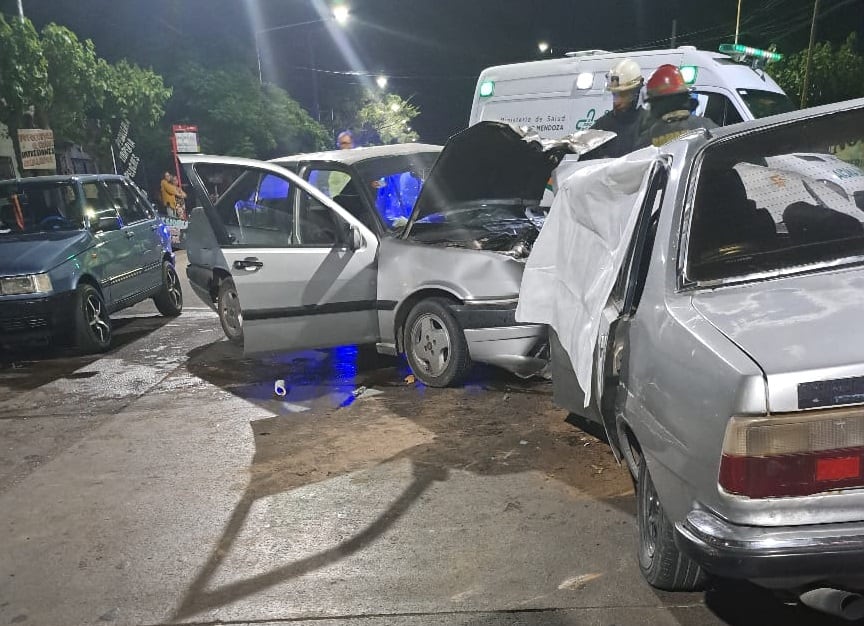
[395, 182]
[765, 103]
[36, 206]
[780, 200]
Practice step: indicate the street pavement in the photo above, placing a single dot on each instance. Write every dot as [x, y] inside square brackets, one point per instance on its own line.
[165, 483]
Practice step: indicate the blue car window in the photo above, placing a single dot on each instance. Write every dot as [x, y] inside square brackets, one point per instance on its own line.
[35, 206]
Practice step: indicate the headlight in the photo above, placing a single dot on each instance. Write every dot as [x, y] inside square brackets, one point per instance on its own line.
[32, 283]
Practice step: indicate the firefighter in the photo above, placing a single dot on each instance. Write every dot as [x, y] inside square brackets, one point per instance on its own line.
[669, 98]
[627, 119]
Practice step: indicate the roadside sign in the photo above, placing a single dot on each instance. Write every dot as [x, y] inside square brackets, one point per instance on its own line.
[37, 149]
[186, 138]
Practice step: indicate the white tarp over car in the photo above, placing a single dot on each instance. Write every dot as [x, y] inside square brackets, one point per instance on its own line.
[580, 250]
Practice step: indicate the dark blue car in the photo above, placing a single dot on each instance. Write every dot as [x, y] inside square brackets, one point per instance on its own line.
[73, 250]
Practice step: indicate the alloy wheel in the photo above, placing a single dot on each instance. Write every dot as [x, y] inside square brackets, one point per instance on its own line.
[231, 311]
[96, 318]
[649, 523]
[173, 286]
[430, 343]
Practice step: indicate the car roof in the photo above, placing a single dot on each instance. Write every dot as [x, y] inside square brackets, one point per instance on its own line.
[63, 178]
[801, 114]
[355, 155]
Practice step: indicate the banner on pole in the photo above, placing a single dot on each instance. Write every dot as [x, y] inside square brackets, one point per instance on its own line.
[124, 146]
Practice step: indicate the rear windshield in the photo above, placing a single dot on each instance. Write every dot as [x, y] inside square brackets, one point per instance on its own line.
[780, 200]
[765, 103]
[32, 207]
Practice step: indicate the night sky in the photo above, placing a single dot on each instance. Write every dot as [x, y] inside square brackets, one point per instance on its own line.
[431, 50]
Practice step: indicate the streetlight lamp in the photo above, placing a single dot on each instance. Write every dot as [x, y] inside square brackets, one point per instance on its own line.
[543, 47]
[381, 81]
[340, 15]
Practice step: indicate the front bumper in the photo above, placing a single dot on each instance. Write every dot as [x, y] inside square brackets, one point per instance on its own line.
[495, 337]
[817, 552]
[37, 319]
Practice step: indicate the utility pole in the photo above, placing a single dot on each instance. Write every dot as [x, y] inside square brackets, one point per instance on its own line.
[805, 85]
[20, 11]
[738, 21]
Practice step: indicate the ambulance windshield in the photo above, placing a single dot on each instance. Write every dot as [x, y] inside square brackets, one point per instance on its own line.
[765, 103]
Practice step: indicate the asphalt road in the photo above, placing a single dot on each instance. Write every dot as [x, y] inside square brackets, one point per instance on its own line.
[165, 483]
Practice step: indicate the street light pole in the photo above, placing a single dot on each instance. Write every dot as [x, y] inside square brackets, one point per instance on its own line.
[806, 82]
[737, 21]
[20, 11]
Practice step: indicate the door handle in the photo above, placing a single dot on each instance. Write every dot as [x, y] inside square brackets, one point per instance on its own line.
[129, 234]
[249, 263]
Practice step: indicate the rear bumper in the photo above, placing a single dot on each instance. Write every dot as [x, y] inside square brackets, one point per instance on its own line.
[37, 319]
[818, 552]
[494, 337]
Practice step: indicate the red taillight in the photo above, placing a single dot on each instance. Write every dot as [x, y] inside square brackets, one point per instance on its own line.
[793, 455]
[839, 468]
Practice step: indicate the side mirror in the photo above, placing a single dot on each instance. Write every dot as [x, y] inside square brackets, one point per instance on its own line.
[355, 238]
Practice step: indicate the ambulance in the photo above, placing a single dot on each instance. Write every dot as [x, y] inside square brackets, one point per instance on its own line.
[559, 96]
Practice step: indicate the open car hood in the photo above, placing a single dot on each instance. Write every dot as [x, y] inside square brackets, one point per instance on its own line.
[496, 161]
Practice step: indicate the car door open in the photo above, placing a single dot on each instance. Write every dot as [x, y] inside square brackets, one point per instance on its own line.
[304, 269]
[612, 336]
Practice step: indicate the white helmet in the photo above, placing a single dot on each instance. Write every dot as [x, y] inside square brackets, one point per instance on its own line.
[625, 75]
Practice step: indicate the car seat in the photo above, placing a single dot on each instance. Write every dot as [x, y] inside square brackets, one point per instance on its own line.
[725, 216]
[350, 200]
[810, 223]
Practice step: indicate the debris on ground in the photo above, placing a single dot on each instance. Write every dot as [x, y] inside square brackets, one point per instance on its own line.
[579, 582]
[362, 392]
[410, 379]
[280, 388]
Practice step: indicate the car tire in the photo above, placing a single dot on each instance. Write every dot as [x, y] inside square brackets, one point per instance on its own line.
[92, 324]
[230, 313]
[169, 300]
[435, 344]
[662, 564]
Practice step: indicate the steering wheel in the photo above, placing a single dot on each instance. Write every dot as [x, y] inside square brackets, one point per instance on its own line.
[54, 221]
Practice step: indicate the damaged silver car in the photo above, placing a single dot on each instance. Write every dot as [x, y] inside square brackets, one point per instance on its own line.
[724, 355]
[377, 245]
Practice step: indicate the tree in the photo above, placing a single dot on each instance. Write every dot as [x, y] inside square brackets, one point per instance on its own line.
[76, 87]
[23, 75]
[836, 73]
[390, 116]
[238, 116]
[67, 86]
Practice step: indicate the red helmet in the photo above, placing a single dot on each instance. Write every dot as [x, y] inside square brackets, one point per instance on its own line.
[666, 81]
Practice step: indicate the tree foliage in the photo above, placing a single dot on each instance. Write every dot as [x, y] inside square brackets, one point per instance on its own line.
[390, 116]
[836, 73]
[374, 117]
[236, 115]
[68, 86]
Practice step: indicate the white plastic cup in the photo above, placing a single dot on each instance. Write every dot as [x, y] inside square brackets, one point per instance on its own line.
[279, 388]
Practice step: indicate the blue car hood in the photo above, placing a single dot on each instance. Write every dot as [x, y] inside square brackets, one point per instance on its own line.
[34, 253]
